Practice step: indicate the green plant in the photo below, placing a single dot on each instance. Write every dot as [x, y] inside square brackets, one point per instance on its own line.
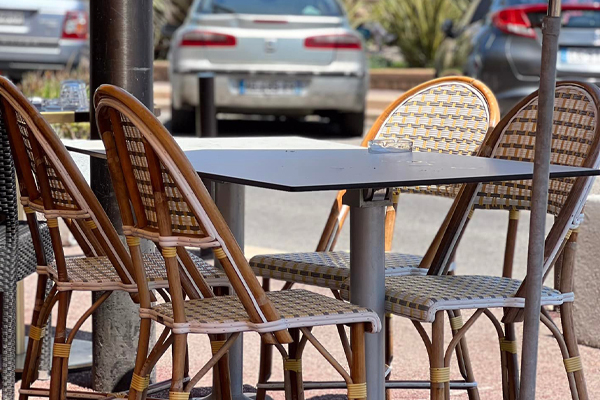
[357, 10]
[417, 25]
[46, 84]
[167, 12]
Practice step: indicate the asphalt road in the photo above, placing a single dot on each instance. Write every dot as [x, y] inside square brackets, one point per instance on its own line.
[292, 222]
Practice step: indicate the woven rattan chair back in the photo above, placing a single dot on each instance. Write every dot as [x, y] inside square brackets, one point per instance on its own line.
[573, 136]
[576, 142]
[51, 183]
[157, 184]
[449, 115]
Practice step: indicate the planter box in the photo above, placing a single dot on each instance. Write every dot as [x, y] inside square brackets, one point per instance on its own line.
[399, 78]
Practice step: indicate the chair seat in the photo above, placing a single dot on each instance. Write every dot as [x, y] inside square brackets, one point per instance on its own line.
[97, 273]
[420, 297]
[298, 308]
[326, 269]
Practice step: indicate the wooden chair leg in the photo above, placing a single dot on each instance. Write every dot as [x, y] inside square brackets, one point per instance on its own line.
[436, 358]
[138, 382]
[60, 338]
[294, 373]
[179, 347]
[469, 376]
[512, 362]
[358, 371]
[222, 368]
[265, 367]
[33, 346]
[573, 364]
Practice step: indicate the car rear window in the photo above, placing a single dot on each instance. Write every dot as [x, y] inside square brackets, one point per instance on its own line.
[271, 7]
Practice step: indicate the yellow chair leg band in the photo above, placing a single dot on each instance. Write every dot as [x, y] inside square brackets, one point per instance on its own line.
[91, 224]
[216, 345]
[471, 213]
[509, 346]
[179, 395]
[293, 364]
[439, 375]
[169, 252]
[61, 350]
[388, 315]
[573, 364]
[568, 235]
[120, 395]
[219, 253]
[395, 196]
[28, 210]
[357, 391]
[35, 333]
[513, 214]
[52, 223]
[132, 241]
[456, 323]
[138, 383]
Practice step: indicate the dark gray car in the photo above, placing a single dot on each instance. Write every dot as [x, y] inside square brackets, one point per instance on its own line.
[502, 45]
[42, 35]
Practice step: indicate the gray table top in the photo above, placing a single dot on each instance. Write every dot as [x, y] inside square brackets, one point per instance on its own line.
[295, 164]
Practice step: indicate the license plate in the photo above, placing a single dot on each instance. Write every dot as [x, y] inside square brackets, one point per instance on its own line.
[12, 18]
[268, 87]
[579, 56]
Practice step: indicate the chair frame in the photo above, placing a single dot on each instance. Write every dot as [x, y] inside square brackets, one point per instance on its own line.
[339, 213]
[165, 160]
[561, 239]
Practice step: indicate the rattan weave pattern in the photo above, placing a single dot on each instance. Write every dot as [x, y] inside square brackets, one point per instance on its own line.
[182, 218]
[450, 117]
[60, 195]
[291, 304]
[325, 269]
[573, 134]
[99, 270]
[419, 297]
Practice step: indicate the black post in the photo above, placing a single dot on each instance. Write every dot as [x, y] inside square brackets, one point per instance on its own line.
[121, 53]
[206, 113]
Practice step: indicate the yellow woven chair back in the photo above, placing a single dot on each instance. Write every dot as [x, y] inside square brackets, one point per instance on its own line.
[573, 134]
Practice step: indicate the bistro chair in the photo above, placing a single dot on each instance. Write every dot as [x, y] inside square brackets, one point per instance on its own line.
[423, 299]
[52, 185]
[449, 115]
[18, 260]
[155, 183]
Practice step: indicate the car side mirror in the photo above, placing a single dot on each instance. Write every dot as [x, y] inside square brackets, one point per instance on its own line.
[448, 28]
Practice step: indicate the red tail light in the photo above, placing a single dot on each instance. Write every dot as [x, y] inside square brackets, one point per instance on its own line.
[514, 21]
[75, 25]
[205, 39]
[349, 42]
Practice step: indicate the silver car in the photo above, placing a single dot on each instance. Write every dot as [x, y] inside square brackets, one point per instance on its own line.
[280, 57]
[42, 35]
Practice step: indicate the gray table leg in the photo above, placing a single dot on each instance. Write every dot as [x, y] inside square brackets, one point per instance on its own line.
[367, 283]
[230, 199]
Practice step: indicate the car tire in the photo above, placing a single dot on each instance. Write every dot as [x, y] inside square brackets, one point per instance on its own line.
[352, 124]
[183, 120]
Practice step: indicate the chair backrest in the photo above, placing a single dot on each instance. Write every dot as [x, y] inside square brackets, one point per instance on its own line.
[573, 133]
[51, 183]
[575, 142]
[449, 115]
[155, 183]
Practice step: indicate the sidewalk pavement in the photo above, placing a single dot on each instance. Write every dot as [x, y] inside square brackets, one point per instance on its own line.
[410, 362]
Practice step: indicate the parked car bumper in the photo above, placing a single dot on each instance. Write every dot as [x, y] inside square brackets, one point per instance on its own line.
[14, 60]
[319, 92]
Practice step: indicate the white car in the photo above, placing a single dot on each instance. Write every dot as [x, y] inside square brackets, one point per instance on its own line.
[277, 57]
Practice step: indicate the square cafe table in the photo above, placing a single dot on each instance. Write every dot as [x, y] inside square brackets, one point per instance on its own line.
[295, 164]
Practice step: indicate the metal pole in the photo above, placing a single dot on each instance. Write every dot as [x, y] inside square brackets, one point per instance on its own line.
[367, 272]
[230, 199]
[206, 114]
[539, 200]
[121, 53]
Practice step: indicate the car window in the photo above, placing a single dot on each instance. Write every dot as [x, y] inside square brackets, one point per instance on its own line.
[271, 7]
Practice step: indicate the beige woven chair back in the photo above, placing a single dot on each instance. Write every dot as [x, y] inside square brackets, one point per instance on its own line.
[573, 136]
[169, 201]
[51, 183]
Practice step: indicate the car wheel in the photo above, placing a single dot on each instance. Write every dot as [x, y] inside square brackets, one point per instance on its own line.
[183, 120]
[352, 124]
